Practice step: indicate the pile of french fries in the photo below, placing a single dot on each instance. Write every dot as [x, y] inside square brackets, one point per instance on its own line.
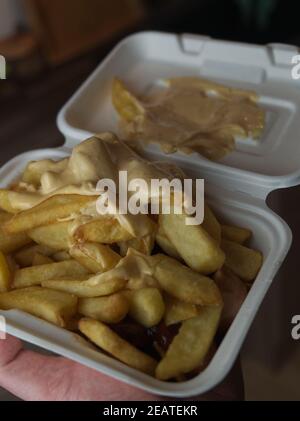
[89, 274]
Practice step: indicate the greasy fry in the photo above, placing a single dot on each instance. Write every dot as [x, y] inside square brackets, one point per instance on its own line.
[197, 248]
[55, 236]
[146, 306]
[41, 259]
[50, 210]
[95, 257]
[95, 286]
[110, 342]
[124, 102]
[25, 256]
[5, 274]
[243, 261]
[178, 311]
[104, 230]
[35, 275]
[110, 309]
[236, 234]
[186, 285]
[211, 224]
[53, 306]
[189, 348]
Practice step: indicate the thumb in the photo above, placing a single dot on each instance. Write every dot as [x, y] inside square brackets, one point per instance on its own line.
[9, 349]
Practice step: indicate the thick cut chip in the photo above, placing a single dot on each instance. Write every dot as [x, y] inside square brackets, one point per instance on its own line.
[124, 102]
[55, 236]
[41, 259]
[13, 202]
[147, 306]
[190, 346]
[178, 311]
[25, 256]
[53, 306]
[211, 224]
[9, 243]
[165, 244]
[109, 341]
[95, 257]
[183, 283]
[104, 230]
[5, 274]
[35, 169]
[143, 245]
[243, 261]
[47, 212]
[60, 256]
[110, 309]
[236, 234]
[95, 286]
[36, 274]
[196, 247]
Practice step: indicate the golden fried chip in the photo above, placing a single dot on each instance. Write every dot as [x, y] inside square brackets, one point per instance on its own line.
[25, 256]
[55, 236]
[243, 261]
[106, 230]
[147, 306]
[5, 274]
[47, 212]
[196, 247]
[124, 102]
[236, 234]
[35, 275]
[53, 306]
[190, 346]
[178, 311]
[95, 257]
[183, 283]
[109, 309]
[112, 343]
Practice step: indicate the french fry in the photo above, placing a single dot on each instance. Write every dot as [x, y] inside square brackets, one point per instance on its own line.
[96, 286]
[14, 202]
[36, 274]
[109, 341]
[147, 306]
[234, 292]
[178, 311]
[52, 306]
[55, 236]
[196, 247]
[110, 309]
[166, 245]
[11, 243]
[235, 234]
[142, 244]
[47, 212]
[124, 102]
[211, 224]
[106, 230]
[95, 257]
[5, 274]
[186, 285]
[35, 169]
[243, 261]
[41, 259]
[25, 256]
[190, 346]
[60, 256]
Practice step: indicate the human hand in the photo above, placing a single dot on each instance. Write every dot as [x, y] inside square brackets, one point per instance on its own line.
[36, 377]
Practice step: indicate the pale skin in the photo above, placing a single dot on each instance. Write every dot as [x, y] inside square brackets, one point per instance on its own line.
[32, 376]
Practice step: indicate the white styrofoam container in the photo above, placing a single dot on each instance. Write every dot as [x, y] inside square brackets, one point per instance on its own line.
[237, 187]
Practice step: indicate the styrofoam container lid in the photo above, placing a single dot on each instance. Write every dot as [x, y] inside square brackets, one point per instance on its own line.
[144, 58]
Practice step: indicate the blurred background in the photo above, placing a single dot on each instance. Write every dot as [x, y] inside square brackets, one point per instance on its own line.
[52, 46]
